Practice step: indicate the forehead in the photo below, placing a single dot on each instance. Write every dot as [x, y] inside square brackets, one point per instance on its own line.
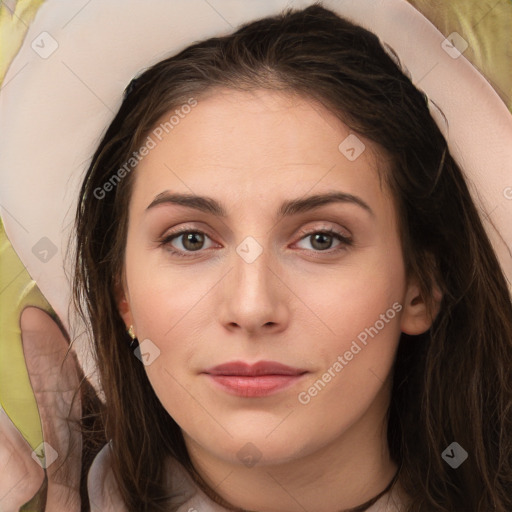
[242, 144]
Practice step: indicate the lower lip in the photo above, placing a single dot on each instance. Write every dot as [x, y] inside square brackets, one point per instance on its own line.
[253, 387]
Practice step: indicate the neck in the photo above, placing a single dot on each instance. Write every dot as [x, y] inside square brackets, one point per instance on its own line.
[343, 474]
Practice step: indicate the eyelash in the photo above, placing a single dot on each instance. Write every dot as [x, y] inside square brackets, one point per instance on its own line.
[166, 241]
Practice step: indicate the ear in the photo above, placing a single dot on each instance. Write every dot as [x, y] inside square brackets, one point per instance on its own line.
[417, 318]
[123, 302]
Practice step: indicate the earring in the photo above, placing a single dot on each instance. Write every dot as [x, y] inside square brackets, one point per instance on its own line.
[131, 332]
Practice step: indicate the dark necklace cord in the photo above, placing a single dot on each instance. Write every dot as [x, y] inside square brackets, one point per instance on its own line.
[365, 506]
[360, 508]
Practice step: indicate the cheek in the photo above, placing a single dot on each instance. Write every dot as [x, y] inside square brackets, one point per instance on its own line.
[355, 359]
[168, 308]
[359, 306]
[166, 314]
[354, 297]
[164, 297]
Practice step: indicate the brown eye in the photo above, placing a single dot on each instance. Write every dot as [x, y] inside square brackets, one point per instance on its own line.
[321, 241]
[193, 241]
[185, 241]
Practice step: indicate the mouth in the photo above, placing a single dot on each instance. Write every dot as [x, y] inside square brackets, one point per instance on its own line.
[261, 379]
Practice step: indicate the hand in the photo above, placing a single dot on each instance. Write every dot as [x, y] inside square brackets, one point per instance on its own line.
[54, 377]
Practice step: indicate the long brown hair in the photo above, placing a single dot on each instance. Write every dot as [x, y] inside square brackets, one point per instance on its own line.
[452, 383]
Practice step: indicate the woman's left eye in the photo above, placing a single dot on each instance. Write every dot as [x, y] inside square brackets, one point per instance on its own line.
[322, 240]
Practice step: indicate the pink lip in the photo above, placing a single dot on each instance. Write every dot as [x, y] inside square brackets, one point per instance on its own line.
[260, 379]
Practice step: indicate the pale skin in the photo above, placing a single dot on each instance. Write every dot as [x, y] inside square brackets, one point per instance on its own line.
[296, 303]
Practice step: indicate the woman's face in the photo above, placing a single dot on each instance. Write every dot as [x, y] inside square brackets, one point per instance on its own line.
[260, 282]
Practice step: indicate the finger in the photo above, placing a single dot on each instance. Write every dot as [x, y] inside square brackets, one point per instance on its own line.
[21, 476]
[53, 374]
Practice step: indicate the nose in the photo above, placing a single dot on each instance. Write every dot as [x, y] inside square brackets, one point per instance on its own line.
[254, 296]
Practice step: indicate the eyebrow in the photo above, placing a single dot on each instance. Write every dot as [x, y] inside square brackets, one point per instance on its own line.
[287, 208]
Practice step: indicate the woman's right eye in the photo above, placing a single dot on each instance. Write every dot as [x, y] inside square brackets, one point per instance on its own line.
[189, 240]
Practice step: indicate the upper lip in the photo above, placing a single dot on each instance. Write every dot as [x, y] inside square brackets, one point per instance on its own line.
[253, 370]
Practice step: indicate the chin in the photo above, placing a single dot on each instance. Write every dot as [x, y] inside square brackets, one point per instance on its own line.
[258, 449]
